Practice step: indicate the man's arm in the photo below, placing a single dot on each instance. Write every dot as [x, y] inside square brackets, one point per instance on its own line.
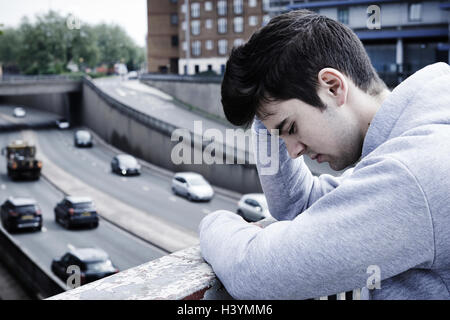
[293, 188]
[378, 216]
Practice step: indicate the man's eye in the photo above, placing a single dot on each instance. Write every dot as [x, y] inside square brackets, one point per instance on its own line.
[291, 129]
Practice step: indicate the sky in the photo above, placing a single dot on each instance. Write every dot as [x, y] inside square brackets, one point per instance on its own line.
[130, 14]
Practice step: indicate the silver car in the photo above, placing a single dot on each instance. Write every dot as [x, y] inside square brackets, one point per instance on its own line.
[19, 112]
[253, 207]
[192, 186]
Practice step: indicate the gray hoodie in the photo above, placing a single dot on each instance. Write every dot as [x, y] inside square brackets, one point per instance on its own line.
[388, 218]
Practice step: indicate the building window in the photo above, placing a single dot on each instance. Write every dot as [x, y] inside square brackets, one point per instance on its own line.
[208, 23]
[222, 25]
[221, 8]
[174, 19]
[343, 15]
[183, 25]
[196, 48]
[208, 6]
[184, 46]
[183, 8]
[238, 6]
[238, 42]
[238, 24]
[253, 21]
[195, 27]
[266, 5]
[195, 10]
[209, 44]
[252, 3]
[173, 1]
[223, 46]
[415, 12]
[266, 19]
[174, 41]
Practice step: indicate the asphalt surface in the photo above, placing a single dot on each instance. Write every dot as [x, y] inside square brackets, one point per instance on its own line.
[53, 241]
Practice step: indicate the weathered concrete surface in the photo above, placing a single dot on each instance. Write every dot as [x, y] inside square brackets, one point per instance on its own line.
[181, 275]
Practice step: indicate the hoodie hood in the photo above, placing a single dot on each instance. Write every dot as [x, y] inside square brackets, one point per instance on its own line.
[417, 101]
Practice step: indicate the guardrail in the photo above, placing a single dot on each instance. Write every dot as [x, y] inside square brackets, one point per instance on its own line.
[181, 78]
[21, 78]
[182, 275]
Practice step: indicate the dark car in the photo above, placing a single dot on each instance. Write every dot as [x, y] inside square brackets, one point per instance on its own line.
[21, 214]
[94, 264]
[125, 165]
[76, 211]
[82, 138]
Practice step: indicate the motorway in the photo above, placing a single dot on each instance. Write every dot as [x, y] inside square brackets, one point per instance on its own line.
[149, 192]
[53, 241]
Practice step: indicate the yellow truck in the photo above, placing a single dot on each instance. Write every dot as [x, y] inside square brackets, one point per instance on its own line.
[21, 161]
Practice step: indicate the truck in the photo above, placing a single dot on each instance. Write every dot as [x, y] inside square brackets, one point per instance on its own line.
[21, 160]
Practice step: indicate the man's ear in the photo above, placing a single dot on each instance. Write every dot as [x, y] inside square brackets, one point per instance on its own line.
[334, 83]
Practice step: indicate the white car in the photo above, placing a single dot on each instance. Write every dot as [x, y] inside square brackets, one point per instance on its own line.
[62, 123]
[19, 112]
[253, 207]
[192, 186]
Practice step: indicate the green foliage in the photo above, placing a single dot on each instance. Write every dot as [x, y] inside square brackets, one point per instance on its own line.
[48, 45]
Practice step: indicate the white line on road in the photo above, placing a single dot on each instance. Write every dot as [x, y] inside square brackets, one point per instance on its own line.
[71, 247]
[145, 188]
[206, 211]
[172, 198]
[3, 187]
[44, 229]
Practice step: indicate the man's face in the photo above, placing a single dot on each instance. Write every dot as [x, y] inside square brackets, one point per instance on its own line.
[331, 135]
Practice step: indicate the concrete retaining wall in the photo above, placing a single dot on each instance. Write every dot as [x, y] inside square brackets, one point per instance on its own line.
[202, 94]
[38, 282]
[150, 139]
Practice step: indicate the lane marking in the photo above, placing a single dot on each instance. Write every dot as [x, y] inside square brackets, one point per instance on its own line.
[206, 211]
[71, 247]
[172, 198]
[44, 229]
[3, 187]
[145, 188]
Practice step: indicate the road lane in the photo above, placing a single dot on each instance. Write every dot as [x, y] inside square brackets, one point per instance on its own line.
[125, 250]
[150, 192]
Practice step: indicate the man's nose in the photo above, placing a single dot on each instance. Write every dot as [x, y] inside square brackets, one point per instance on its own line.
[295, 148]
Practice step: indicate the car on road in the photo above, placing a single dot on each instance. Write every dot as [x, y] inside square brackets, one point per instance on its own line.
[253, 207]
[192, 186]
[62, 123]
[19, 112]
[21, 213]
[76, 211]
[125, 165]
[82, 138]
[93, 264]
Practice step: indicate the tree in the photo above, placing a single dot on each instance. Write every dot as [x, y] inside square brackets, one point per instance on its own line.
[48, 45]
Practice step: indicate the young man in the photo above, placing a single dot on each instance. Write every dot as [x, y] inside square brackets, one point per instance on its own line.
[386, 219]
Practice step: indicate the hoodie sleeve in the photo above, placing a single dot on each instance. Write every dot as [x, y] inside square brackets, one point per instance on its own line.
[377, 217]
[290, 188]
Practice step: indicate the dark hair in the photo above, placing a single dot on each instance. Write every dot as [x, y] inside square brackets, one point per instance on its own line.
[281, 61]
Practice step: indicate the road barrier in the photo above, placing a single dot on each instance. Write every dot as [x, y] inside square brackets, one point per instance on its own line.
[39, 282]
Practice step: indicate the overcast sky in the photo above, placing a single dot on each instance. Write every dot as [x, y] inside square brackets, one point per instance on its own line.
[130, 14]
